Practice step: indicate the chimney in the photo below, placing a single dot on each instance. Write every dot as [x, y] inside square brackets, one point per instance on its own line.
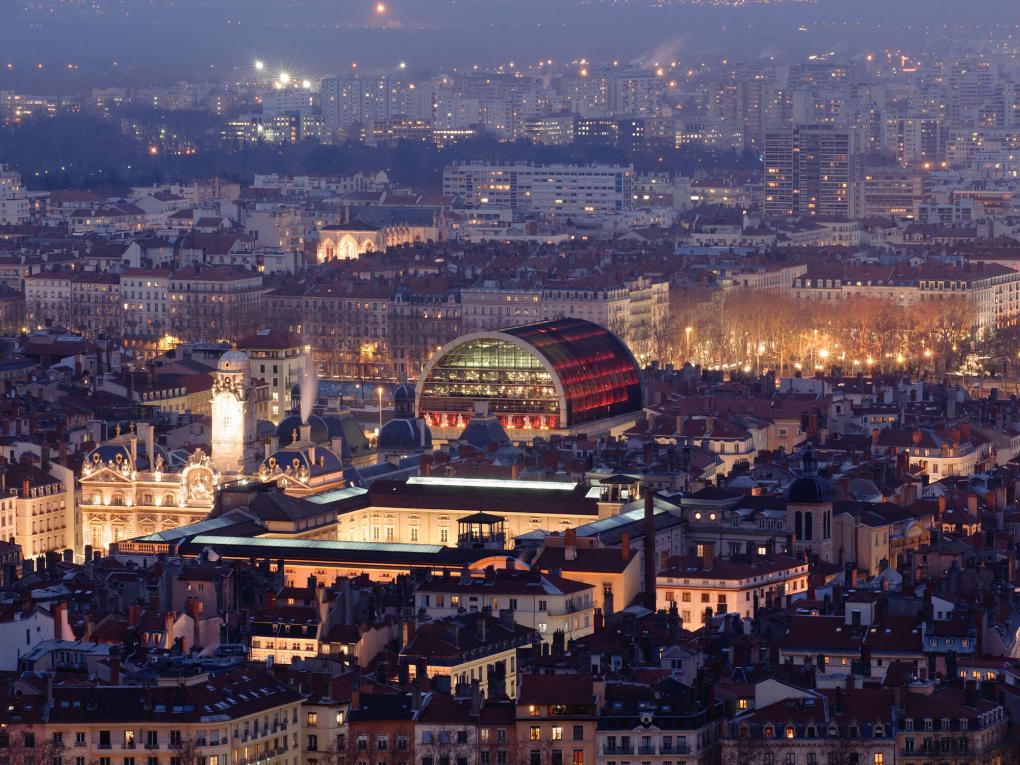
[407, 632]
[625, 546]
[356, 693]
[132, 615]
[425, 466]
[972, 500]
[648, 545]
[171, 617]
[416, 692]
[570, 544]
[515, 471]
[305, 433]
[476, 698]
[26, 488]
[268, 601]
[942, 504]
[707, 556]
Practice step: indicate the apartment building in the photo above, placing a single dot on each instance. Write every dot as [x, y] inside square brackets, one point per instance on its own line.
[230, 718]
[813, 170]
[556, 190]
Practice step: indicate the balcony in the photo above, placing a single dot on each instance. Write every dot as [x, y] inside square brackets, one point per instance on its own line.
[617, 750]
[649, 749]
[675, 749]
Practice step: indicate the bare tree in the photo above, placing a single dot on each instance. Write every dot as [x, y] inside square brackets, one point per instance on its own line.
[745, 748]
[27, 747]
[186, 752]
[841, 748]
[448, 746]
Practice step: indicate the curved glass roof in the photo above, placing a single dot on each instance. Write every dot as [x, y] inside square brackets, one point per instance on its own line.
[595, 370]
[599, 375]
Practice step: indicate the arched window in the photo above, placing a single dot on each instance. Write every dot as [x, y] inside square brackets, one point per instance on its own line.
[808, 527]
[169, 499]
[97, 498]
[117, 500]
[147, 499]
[798, 524]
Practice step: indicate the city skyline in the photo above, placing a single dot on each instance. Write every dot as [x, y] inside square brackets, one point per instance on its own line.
[507, 382]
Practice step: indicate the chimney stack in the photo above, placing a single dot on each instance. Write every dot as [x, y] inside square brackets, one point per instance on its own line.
[649, 549]
[625, 547]
[707, 556]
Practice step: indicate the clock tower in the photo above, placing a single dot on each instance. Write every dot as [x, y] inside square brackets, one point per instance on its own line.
[233, 416]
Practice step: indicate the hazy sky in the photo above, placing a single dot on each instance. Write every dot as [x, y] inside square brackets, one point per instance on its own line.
[168, 40]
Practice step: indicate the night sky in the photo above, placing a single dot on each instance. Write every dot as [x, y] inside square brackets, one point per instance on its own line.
[169, 40]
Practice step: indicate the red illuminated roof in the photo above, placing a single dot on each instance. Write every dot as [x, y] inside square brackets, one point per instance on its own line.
[597, 371]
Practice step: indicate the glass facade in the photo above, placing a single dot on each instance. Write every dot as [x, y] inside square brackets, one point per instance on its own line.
[594, 369]
[512, 379]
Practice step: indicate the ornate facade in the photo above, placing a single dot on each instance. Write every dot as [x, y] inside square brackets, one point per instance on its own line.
[233, 415]
[126, 494]
[132, 487]
[348, 241]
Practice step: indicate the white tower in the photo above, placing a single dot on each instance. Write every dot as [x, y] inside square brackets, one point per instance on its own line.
[233, 416]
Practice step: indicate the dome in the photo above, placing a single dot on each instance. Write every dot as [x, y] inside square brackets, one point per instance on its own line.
[810, 490]
[290, 423]
[107, 454]
[402, 433]
[233, 361]
[403, 401]
[323, 461]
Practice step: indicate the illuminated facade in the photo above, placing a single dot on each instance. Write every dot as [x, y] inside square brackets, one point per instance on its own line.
[351, 240]
[233, 415]
[552, 375]
[132, 487]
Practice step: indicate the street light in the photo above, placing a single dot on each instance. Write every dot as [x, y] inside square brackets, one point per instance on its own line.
[259, 65]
